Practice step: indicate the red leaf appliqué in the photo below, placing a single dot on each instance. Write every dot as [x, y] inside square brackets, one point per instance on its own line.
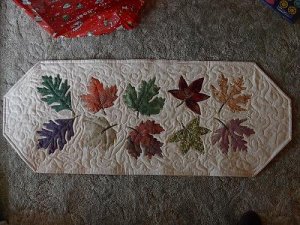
[232, 134]
[190, 94]
[99, 97]
[142, 137]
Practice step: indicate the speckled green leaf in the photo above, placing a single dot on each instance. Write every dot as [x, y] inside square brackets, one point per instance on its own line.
[55, 93]
[190, 137]
[144, 101]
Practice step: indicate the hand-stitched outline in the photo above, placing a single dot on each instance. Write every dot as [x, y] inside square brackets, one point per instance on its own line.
[141, 137]
[232, 133]
[190, 94]
[145, 100]
[190, 136]
[55, 134]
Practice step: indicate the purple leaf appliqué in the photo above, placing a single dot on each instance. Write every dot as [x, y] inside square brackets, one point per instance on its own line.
[232, 134]
[55, 134]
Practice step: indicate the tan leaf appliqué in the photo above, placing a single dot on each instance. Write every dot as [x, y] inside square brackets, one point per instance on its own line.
[230, 94]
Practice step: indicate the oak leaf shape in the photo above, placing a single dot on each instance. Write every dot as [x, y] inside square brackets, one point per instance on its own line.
[55, 93]
[142, 137]
[55, 134]
[99, 97]
[233, 134]
[144, 101]
[190, 137]
[190, 94]
[231, 94]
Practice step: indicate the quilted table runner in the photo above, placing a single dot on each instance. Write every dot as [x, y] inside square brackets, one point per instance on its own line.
[147, 117]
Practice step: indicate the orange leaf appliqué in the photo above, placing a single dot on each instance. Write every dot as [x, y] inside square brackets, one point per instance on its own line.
[99, 97]
[230, 94]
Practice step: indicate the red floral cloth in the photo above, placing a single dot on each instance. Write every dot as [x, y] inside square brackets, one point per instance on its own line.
[77, 18]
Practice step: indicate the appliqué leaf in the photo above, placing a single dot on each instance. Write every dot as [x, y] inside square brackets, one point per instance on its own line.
[231, 94]
[133, 149]
[232, 134]
[54, 91]
[98, 132]
[142, 137]
[190, 137]
[99, 97]
[55, 134]
[190, 94]
[144, 101]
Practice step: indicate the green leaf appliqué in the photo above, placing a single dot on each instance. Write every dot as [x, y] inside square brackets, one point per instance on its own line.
[55, 93]
[144, 101]
[190, 137]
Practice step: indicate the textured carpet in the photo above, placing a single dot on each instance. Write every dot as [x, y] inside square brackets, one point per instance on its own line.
[178, 29]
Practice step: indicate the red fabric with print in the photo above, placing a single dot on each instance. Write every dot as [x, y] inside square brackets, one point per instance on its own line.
[77, 18]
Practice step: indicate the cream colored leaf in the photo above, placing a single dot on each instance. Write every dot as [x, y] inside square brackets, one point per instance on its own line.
[97, 133]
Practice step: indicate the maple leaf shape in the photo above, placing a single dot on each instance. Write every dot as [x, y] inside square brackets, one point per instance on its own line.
[55, 134]
[231, 94]
[99, 97]
[142, 137]
[133, 149]
[190, 94]
[232, 134]
[190, 137]
[144, 101]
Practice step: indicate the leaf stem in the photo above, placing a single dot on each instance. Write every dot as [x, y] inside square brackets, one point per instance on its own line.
[224, 103]
[107, 128]
[73, 113]
[182, 125]
[104, 111]
[75, 116]
[133, 129]
[222, 123]
[220, 109]
[180, 104]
